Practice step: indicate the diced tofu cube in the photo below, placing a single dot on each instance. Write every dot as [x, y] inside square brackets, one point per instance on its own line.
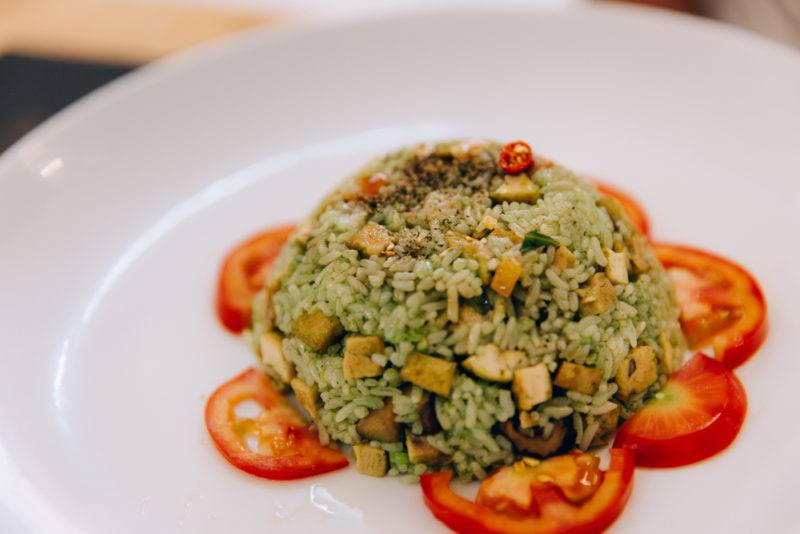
[506, 276]
[307, 396]
[564, 258]
[531, 386]
[372, 240]
[638, 247]
[432, 374]
[489, 222]
[517, 189]
[598, 297]
[469, 246]
[494, 365]
[380, 425]
[617, 268]
[578, 378]
[511, 236]
[358, 351]
[637, 371]
[422, 452]
[273, 358]
[370, 460]
[317, 330]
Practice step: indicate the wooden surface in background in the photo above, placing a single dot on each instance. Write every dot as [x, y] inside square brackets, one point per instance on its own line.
[113, 31]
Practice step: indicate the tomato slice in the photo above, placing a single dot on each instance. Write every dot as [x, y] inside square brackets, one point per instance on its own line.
[244, 273]
[552, 502]
[721, 304]
[285, 447]
[697, 414]
[631, 207]
[516, 157]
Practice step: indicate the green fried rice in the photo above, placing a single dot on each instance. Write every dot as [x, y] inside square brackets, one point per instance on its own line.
[490, 316]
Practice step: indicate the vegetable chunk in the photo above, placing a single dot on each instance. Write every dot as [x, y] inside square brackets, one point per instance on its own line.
[506, 276]
[637, 371]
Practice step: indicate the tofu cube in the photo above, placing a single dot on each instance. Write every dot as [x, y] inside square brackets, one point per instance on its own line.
[372, 240]
[358, 351]
[422, 452]
[494, 365]
[272, 357]
[317, 330]
[307, 396]
[370, 460]
[564, 258]
[598, 297]
[637, 371]
[578, 378]
[638, 255]
[531, 386]
[432, 374]
[506, 276]
[617, 267]
[517, 189]
[380, 424]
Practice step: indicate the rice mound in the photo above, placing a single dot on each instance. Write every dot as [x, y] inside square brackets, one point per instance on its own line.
[427, 287]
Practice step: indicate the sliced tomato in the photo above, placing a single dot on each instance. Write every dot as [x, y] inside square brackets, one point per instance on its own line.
[721, 304]
[548, 498]
[631, 207]
[695, 416]
[244, 273]
[283, 447]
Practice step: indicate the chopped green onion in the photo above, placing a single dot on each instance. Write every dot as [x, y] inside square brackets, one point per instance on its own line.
[534, 239]
[398, 458]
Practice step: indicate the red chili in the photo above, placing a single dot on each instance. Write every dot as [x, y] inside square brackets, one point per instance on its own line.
[516, 157]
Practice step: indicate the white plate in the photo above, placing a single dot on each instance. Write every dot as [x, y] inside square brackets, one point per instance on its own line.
[114, 217]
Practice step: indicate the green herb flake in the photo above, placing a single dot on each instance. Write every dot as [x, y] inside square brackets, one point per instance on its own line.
[534, 240]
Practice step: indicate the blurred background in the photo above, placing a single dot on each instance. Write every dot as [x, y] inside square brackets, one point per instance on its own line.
[52, 52]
